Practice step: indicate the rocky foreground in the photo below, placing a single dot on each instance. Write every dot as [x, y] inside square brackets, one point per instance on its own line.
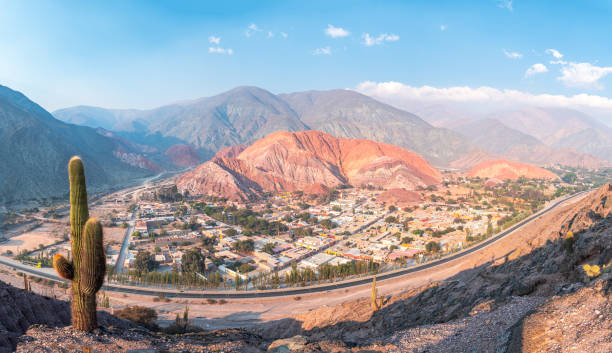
[551, 295]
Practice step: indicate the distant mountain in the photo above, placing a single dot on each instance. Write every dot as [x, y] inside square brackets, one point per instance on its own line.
[345, 113]
[562, 128]
[495, 137]
[503, 170]
[35, 149]
[183, 155]
[290, 161]
[501, 141]
[245, 114]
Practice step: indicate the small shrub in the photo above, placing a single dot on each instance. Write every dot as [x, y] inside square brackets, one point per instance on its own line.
[211, 301]
[568, 242]
[297, 298]
[592, 271]
[222, 301]
[143, 316]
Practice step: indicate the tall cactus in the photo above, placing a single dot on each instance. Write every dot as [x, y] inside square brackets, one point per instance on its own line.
[88, 266]
[374, 298]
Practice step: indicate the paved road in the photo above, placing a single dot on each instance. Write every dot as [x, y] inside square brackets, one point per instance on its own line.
[126, 243]
[295, 291]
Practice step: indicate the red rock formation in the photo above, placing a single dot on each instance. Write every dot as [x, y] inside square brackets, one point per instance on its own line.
[289, 161]
[503, 170]
[183, 155]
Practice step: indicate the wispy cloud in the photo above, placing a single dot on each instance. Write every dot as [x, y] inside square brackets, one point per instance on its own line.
[369, 41]
[216, 48]
[558, 56]
[443, 28]
[284, 35]
[512, 54]
[402, 95]
[219, 50]
[506, 4]
[322, 51]
[536, 69]
[252, 29]
[336, 32]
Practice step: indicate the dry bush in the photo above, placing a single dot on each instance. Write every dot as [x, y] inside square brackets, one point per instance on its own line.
[143, 316]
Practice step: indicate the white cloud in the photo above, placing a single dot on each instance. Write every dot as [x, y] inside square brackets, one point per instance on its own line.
[270, 34]
[505, 4]
[555, 53]
[214, 40]
[322, 51]
[513, 54]
[369, 41]
[252, 29]
[219, 50]
[401, 95]
[536, 69]
[284, 35]
[443, 27]
[583, 75]
[336, 32]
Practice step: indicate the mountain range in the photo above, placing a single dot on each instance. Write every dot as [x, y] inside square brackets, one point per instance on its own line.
[309, 161]
[452, 137]
[35, 149]
[125, 144]
[245, 114]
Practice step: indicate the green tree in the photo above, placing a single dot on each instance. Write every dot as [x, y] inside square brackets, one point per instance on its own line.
[432, 247]
[144, 262]
[269, 247]
[570, 177]
[230, 232]
[193, 261]
[328, 224]
[391, 219]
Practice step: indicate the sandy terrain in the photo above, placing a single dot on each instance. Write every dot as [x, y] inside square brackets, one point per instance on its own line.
[46, 234]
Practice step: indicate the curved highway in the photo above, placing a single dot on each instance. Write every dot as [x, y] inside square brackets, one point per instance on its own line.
[294, 291]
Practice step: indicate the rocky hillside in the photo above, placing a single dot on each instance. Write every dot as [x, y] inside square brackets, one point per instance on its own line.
[286, 161]
[35, 149]
[503, 170]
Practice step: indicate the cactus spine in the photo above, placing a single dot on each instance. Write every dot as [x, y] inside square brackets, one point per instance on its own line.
[88, 266]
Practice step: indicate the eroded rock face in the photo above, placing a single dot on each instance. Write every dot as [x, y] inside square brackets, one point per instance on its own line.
[290, 161]
[183, 155]
[503, 170]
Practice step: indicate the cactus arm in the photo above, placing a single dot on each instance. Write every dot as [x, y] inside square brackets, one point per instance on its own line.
[63, 268]
[93, 261]
[78, 206]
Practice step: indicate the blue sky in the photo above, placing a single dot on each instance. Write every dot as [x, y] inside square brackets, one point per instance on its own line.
[142, 54]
